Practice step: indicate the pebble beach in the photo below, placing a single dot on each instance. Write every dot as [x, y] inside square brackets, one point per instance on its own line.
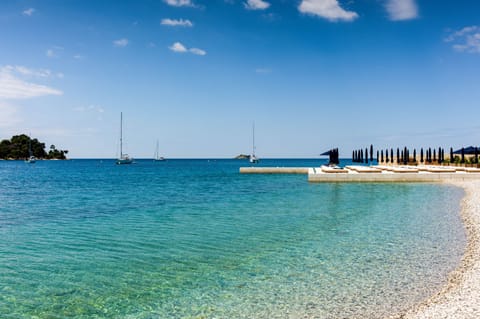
[460, 298]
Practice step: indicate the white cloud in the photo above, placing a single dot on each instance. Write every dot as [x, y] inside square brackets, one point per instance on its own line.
[13, 87]
[78, 57]
[180, 48]
[43, 73]
[179, 3]
[263, 71]
[256, 5]
[89, 108]
[328, 9]
[24, 71]
[121, 43]
[197, 51]
[176, 23]
[465, 40]
[28, 12]
[402, 9]
[54, 52]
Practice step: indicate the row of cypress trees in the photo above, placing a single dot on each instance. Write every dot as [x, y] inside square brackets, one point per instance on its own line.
[403, 156]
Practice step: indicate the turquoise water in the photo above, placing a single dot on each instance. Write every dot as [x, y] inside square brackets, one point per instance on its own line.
[195, 239]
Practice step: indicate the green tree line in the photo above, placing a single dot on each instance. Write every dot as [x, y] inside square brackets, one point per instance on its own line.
[18, 148]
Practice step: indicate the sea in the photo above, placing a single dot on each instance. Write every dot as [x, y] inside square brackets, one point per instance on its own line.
[194, 238]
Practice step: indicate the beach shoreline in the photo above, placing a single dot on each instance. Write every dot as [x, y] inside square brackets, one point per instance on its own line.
[460, 297]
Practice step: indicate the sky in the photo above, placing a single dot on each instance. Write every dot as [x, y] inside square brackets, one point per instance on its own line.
[196, 74]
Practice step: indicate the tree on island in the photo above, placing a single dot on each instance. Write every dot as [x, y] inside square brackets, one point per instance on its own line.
[57, 154]
[17, 148]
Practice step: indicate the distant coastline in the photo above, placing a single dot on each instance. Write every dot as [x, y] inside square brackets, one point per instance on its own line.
[242, 156]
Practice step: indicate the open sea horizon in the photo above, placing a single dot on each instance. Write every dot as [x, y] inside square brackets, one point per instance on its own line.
[194, 238]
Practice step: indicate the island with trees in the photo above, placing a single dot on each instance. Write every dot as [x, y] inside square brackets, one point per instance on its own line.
[20, 147]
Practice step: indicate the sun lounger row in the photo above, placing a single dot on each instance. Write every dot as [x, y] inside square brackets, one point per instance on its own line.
[395, 169]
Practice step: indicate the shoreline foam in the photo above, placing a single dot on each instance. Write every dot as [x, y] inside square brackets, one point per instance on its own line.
[460, 297]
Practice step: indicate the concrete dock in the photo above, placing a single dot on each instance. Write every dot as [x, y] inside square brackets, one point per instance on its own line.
[274, 170]
[373, 174]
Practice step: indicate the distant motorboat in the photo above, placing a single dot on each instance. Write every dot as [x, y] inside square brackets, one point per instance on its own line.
[253, 158]
[124, 158]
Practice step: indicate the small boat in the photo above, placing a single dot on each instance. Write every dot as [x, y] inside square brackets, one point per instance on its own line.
[253, 158]
[157, 157]
[31, 159]
[124, 158]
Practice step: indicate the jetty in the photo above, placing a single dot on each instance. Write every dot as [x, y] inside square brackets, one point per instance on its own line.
[274, 170]
[374, 173]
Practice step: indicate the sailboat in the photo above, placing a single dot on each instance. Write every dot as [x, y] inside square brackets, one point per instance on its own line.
[124, 158]
[157, 157]
[31, 159]
[253, 159]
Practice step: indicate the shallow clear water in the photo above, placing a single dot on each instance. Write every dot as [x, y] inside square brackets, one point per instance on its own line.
[195, 239]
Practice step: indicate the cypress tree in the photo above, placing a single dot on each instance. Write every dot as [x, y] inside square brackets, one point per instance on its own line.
[398, 155]
[434, 155]
[366, 155]
[378, 157]
[463, 155]
[421, 155]
[451, 155]
[386, 156]
[371, 152]
[381, 158]
[415, 155]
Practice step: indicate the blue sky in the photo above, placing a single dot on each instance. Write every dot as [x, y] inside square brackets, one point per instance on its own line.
[195, 74]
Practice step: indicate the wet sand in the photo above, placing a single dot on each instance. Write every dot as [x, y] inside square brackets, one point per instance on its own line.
[460, 298]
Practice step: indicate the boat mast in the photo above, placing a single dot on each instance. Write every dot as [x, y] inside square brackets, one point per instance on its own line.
[30, 146]
[121, 122]
[253, 150]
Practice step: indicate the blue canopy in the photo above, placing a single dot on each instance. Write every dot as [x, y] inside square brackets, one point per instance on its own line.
[467, 151]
